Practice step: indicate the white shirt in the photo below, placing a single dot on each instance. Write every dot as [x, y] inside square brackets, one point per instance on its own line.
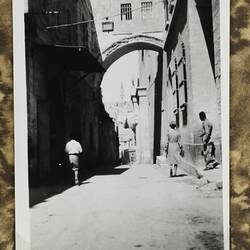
[73, 147]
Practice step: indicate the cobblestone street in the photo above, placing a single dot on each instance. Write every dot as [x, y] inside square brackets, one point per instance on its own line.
[130, 208]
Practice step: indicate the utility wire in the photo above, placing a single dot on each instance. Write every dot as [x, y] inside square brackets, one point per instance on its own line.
[104, 18]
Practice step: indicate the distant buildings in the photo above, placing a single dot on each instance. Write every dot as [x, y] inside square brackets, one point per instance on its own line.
[124, 117]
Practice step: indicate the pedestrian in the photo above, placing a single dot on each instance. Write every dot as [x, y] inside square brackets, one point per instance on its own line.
[73, 149]
[173, 148]
[206, 134]
[209, 156]
[207, 128]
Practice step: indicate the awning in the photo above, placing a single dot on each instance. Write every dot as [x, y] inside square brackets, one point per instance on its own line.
[75, 58]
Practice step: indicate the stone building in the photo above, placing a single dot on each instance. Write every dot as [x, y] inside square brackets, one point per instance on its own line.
[146, 98]
[118, 19]
[125, 26]
[191, 71]
[124, 117]
[64, 73]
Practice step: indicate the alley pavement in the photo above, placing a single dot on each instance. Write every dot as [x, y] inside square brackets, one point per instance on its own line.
[137, 207]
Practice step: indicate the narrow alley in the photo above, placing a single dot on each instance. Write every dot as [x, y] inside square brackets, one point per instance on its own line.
[119, 96]
[129, 208]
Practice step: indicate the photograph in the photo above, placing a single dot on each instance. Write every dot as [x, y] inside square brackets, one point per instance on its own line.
[126, 125]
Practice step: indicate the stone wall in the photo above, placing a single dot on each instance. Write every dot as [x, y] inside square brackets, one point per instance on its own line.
[152, 25]
[217, 51]
[150, 70]
[61, 100]
[147, 75]
[189, 67]
[109, 142]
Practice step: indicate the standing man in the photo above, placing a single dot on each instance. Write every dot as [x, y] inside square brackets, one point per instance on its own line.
[73, 149]
[207, 127]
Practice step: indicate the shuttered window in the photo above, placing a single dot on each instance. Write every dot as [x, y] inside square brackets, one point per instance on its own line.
[126, 11]
[146, 10]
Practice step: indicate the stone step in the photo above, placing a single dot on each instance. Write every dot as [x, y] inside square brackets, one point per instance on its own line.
[161, 160]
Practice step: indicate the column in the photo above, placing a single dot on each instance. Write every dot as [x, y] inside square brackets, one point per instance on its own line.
[144, 150]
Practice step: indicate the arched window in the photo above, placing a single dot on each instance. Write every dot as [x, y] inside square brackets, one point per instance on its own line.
[170, 78]
[176, 94]
[184, 96]
[183, 50]
[166, 8]
[176, 75]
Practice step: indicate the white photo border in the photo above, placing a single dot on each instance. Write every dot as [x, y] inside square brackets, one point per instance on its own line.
[22, 214]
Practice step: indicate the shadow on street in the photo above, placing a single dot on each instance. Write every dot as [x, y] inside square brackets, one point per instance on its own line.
[180, 175]
[42, 193]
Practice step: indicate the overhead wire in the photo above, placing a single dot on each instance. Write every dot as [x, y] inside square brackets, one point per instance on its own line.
[100, 19]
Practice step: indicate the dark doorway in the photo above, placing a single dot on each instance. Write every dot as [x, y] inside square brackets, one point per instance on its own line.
[157, 112]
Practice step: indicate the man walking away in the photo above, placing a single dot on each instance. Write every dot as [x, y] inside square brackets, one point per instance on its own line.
[73, 149]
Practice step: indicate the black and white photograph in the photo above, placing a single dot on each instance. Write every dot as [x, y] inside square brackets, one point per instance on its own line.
[124, 125]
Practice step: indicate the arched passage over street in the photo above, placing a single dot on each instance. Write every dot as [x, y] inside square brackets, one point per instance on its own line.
[129, 44]
[146, 149]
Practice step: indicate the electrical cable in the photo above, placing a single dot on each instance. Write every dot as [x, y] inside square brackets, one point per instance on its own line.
[104, 18]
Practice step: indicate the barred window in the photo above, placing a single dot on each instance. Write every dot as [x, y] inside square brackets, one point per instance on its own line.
[126, 11]
[166, 10]
[146, 10]
[142, 55]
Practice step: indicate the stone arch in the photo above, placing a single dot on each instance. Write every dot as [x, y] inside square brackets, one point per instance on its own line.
[129, 44]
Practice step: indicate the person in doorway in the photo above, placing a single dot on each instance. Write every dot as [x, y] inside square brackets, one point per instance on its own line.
[173, 148]
[207, 128]
[73, 148]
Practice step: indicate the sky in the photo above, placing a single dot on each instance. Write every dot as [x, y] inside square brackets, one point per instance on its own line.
[122, 71]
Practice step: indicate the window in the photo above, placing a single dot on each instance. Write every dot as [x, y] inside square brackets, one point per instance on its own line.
[126, 11]
[182, 86]
[169, 82]
[107, 26]
[142, 55]
[171, 6]
[176, 95]
[166, 10]
[146, 10]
